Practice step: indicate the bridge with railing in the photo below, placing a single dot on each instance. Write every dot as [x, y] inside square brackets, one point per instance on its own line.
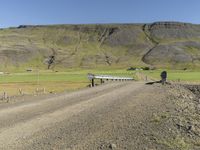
[102, 78]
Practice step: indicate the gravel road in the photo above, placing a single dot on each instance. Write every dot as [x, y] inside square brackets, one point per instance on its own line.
[110, 116]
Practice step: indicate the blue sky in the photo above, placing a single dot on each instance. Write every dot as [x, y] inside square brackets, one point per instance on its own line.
[19, 12]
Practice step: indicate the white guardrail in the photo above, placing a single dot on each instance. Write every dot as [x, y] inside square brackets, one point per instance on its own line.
[107, 77]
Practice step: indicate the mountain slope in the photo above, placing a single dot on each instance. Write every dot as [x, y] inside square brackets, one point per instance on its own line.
[161, 44]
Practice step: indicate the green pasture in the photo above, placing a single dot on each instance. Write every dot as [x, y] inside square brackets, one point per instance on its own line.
[176, 75]
[80, 75]
[54, 82]
[74, 79]
[51, 76]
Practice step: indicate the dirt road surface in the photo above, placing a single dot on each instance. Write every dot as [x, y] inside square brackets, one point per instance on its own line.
[110, 116]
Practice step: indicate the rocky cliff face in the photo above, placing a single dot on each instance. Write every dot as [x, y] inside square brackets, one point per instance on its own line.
[169, 25]
[167, 30]
[177, 44]
[160, 44]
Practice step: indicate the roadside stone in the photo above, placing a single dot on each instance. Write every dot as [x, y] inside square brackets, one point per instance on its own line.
[112, 146]
[191, 97]
[102, 146]
[198, 106]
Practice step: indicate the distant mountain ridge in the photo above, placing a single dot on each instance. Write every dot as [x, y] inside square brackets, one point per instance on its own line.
[160, 44]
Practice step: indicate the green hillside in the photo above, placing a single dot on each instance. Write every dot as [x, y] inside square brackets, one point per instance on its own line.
[162, 44]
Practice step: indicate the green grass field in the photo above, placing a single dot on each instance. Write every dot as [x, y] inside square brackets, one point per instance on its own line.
[52, 81]
[74, 79]
[50, 76]
[175, 75]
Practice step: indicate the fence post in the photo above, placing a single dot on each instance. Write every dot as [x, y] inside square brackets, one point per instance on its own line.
[101, 81]
[92, 82]
[4, 95]
[20, 92]
[44, 90]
